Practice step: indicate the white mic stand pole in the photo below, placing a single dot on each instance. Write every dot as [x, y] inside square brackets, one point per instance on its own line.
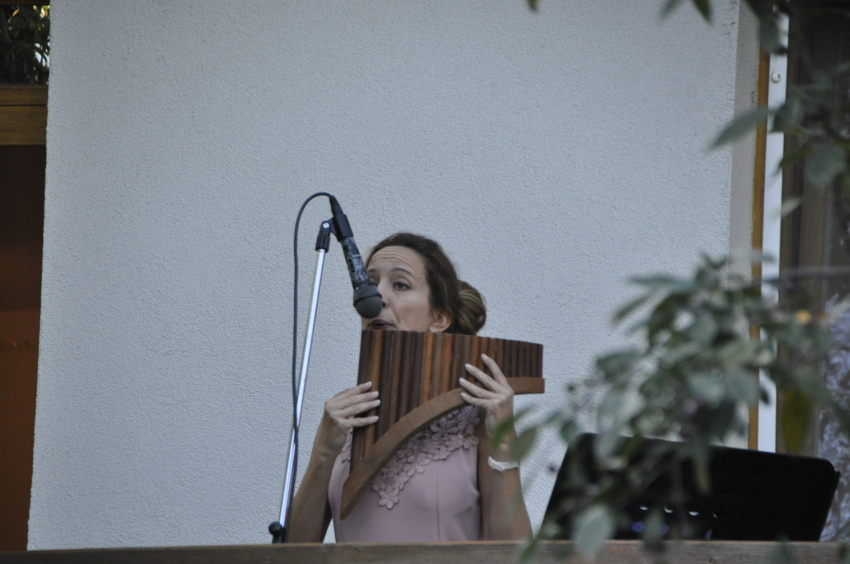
[280, 529]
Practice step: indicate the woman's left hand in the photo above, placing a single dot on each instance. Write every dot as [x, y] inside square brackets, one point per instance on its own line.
[496, 398]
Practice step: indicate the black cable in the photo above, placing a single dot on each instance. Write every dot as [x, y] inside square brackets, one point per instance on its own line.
[295, 294]
[295, 343]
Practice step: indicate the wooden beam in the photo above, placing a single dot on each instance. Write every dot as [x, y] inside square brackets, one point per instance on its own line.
[23, 125]
[23, 115]
[758, 217]
[23, 95]
[551, 552]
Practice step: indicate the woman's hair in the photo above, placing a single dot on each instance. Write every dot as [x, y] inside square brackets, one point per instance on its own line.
[463, 303]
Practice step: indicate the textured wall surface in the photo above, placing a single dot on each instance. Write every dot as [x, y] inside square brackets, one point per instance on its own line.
[553, 154]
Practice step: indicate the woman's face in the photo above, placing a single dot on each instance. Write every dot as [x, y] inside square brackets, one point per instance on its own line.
[399, 274]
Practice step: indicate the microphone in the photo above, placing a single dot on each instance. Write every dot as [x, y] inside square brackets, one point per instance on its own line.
[367, 300]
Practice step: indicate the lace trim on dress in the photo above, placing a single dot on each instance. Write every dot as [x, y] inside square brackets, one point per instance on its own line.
[435, 442]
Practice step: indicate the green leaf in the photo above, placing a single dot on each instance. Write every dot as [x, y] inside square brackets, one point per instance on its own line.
[743, 386]
[825, 163]
[593, 527]
[790, 205]
[569, 431]
[653, 527]
[507, 424]
[630, 307]
[741, 125]
[781, 554]
[770, 36]
[606, 445]
[665, 283]
[761, 8]
[843, 554]
[701, 475]
[796, 414]
[704, 8]
[704, 329]
[524, 443]
[532, 5]
[669, 6]
[617, 361]
[530, 550]
[622, 405]
[706, 387]
[735, 351]
[789, 116]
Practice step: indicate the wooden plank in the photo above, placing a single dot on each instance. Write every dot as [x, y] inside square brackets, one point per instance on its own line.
[474, 357]
[427, 352]
[436, 365]
[446, 362]
[507, 365]
[490, 552]
[359, 434]
[376, 341]
[23, 125]
[460, 345]
[395, 371]
[515, 359]
[483, 347]
[492, 350]
[18, 2]
[23, 95]
[416, 373]
[384, 408]
[405, 373]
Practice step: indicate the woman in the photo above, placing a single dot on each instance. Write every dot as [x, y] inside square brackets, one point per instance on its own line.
[446, 483]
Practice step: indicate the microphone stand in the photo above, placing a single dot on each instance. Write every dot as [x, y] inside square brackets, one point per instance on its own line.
[280, 529]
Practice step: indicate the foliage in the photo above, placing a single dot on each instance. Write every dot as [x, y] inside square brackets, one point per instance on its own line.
[25, 44]
[695, 373]
[693, 377]
[812, 112]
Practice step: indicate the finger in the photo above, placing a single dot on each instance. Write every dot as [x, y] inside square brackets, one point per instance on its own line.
[484, 378]
[360, 421]
[353, 410]
[472, 400]
[494, 368]
[352, 400]
[358, 389]
[476, 390]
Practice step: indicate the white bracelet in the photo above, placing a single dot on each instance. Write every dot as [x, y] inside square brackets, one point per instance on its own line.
[502, 466]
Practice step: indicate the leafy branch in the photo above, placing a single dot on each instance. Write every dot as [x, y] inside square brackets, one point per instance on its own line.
[692, 377]
[24, 44]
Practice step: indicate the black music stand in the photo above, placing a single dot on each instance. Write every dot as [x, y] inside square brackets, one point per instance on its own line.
[756, 496]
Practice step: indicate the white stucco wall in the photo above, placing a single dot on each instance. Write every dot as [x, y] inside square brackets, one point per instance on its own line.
[553, 154]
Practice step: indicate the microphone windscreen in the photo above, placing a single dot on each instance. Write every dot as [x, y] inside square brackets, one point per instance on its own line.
[368, 301]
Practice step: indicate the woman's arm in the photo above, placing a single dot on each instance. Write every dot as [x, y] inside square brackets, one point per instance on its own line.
[503, 512]
[310, 508]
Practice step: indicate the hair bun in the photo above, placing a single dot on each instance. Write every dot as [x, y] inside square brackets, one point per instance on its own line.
[471, 312]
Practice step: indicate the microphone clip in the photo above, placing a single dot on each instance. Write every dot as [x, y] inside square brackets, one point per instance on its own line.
[323, 239]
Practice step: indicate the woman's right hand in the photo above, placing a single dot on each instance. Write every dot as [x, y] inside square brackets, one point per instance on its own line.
[340, 416]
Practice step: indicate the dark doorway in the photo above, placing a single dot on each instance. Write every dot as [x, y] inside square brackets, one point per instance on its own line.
[21, 235]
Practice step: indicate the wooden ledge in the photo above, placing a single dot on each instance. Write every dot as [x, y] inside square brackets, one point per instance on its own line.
[23, 115]
[615, 552]
[23, 95]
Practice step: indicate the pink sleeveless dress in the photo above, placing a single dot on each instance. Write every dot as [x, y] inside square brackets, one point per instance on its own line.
[427, 492]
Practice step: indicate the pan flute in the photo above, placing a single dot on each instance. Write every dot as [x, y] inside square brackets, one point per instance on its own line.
[416, 375]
